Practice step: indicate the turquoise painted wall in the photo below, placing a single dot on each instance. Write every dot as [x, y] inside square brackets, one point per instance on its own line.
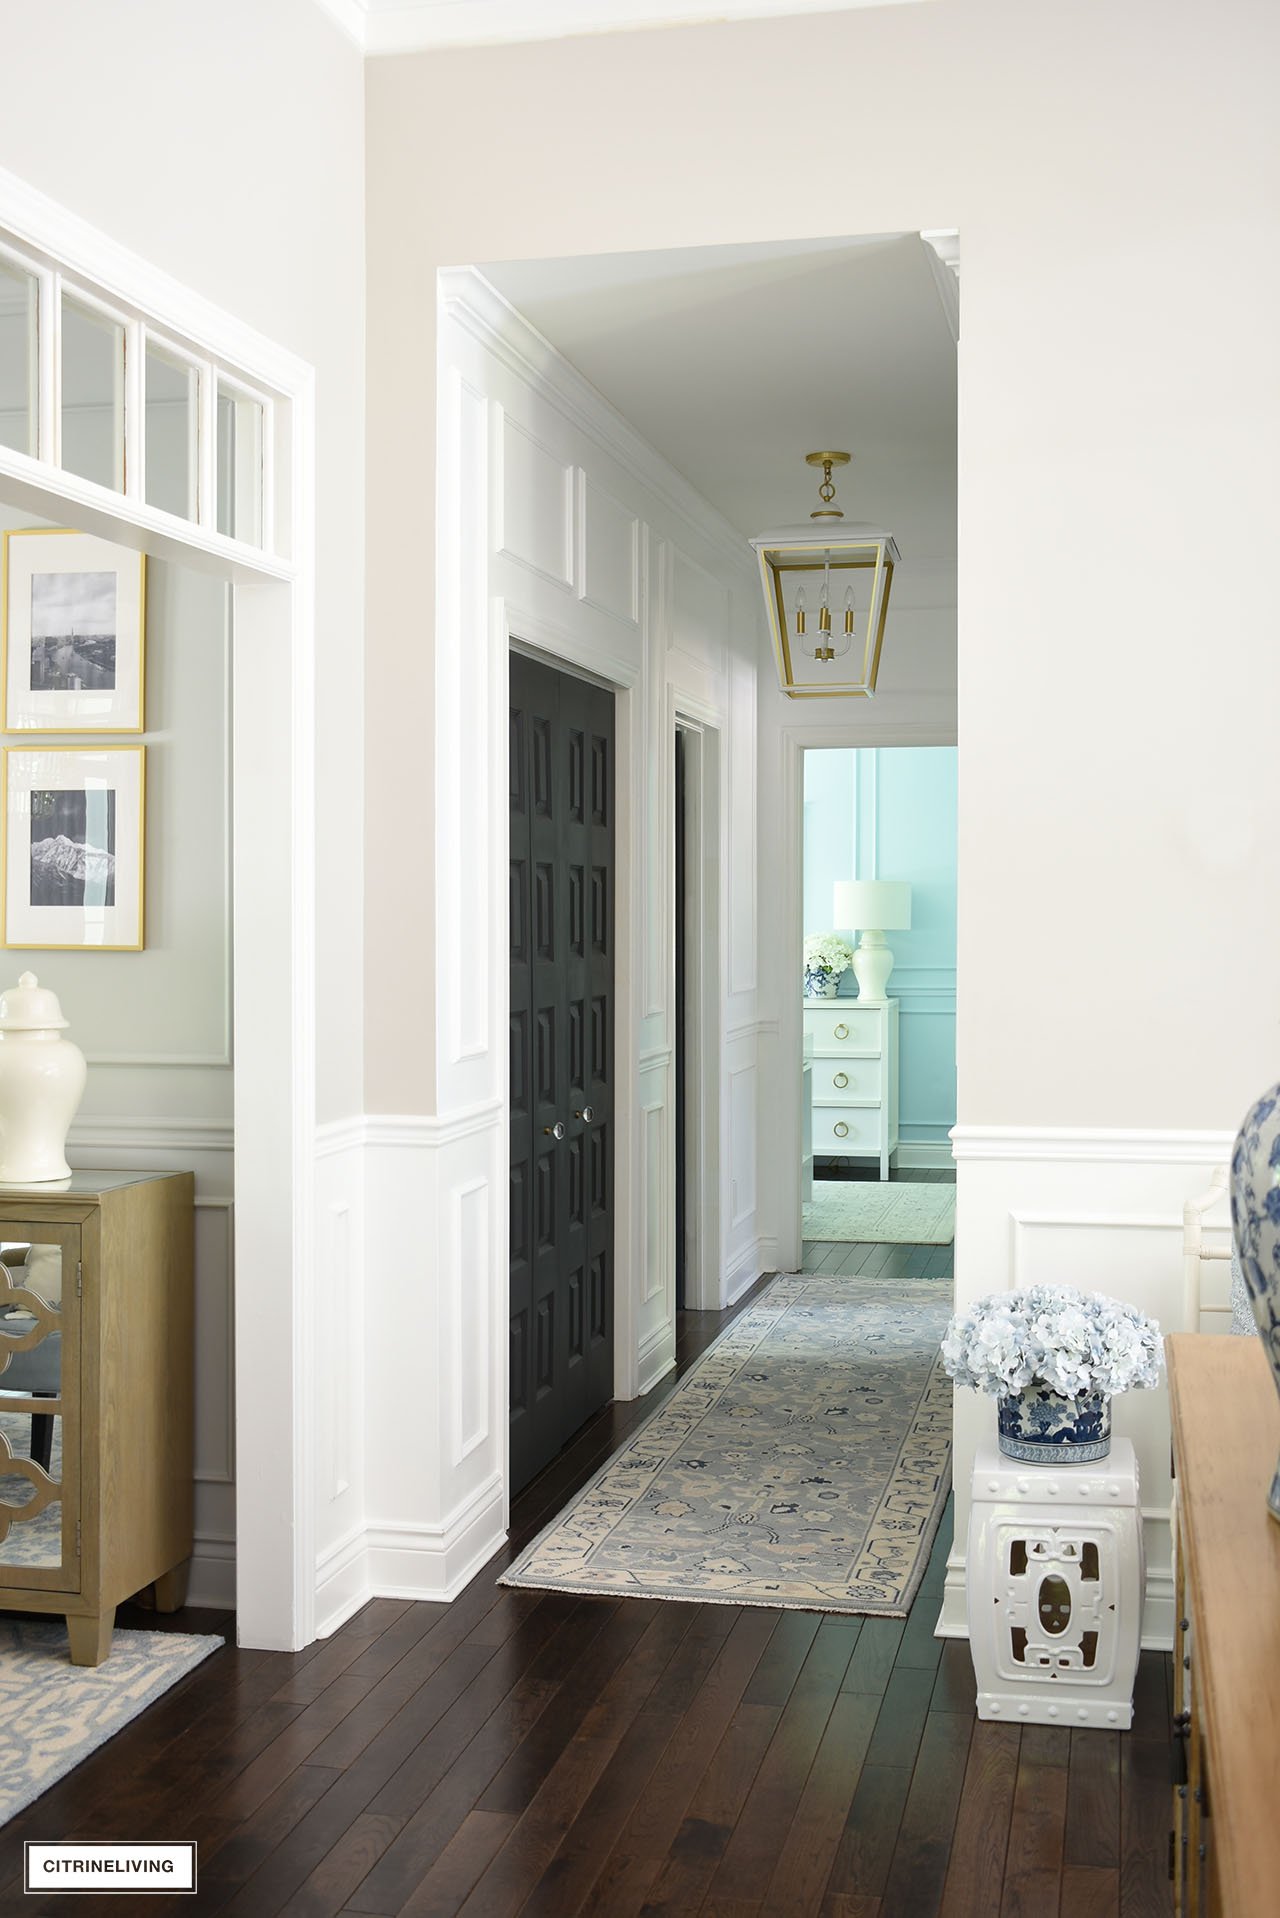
[890, 813]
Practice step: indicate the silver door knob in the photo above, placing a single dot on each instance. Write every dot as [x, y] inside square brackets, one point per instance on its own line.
[587, 1115]
[842, 1130]
[841, 1079]
[842, 1032]
[555, 1131]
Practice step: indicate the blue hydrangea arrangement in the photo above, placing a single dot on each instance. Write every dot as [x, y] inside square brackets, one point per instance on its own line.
[1073, 1343]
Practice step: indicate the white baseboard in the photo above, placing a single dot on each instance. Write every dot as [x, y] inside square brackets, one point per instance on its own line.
[656, 1357]
[925, 1155]
[213, 1574]
[1158, 1612]
[437, 1561]
[342, 1582]
[746, 1268]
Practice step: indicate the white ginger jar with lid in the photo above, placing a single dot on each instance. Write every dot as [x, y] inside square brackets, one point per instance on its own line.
[42, 1077]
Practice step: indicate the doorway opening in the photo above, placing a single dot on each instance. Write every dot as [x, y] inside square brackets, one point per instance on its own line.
[878, 925]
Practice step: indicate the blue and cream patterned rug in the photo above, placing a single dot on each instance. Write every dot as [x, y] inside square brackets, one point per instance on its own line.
[54, 1713]
[872, 1212]
[804, 1461]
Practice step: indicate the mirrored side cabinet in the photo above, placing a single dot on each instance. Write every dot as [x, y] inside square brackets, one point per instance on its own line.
[96, 1424]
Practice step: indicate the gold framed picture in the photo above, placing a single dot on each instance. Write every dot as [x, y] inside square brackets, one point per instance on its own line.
[74, 847]
[74, 633]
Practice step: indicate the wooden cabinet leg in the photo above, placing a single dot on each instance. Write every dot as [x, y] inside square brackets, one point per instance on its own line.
[171, 1588]
[91, 1637]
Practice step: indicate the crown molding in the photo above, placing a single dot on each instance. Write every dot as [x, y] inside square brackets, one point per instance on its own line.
[942, 251]
[415, 26]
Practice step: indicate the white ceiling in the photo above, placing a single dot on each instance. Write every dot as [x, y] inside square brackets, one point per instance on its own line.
[735, 361]
[405, 26]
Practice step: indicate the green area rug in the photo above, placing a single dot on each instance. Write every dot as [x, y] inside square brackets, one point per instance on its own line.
[54, 1713]
[874, 1213]
[804, 1461]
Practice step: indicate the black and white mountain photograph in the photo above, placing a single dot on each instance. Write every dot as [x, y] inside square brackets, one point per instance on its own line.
[73, 848]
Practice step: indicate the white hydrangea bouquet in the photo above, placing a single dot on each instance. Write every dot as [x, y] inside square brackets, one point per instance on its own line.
[826, 956]
[1054, 1358]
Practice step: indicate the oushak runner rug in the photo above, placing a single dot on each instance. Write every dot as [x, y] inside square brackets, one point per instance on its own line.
[873, 1212]
[803, 1462]
[54, 1713]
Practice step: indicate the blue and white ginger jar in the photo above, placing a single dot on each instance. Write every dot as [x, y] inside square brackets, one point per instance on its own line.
[1040, 1427]
[1255, 1219]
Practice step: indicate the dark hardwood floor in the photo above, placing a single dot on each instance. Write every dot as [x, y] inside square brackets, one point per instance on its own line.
[537, 1753]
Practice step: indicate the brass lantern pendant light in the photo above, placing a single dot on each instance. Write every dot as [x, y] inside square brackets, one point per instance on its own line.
[804, 570]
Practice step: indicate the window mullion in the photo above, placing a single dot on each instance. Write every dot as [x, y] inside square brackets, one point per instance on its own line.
[49, 370]
[135, 437]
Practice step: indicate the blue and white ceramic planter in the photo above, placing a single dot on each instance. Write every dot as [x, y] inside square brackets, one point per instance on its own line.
[1255, 1219]
[820, 985]
[1042, 1428]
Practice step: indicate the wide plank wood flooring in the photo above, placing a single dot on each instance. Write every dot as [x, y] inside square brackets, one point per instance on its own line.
[518, 1752]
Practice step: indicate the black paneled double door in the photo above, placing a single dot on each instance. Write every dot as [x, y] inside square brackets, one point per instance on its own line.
[562, 987]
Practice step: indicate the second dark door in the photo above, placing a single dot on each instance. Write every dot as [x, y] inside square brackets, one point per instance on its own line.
[562, 920]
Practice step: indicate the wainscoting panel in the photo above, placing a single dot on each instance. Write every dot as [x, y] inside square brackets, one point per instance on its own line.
[1102, 1211]
[425, 1504]
[469, 1252]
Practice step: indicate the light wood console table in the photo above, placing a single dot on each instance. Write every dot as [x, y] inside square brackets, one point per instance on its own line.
[1226, 1433]
[95, 1397]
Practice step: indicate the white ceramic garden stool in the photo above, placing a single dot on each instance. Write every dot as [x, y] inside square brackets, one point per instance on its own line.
[1055, 1579]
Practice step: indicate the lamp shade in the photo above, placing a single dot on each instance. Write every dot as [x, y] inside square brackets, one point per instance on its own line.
[873, 905]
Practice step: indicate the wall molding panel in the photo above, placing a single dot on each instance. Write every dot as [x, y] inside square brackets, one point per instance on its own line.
[538, 505]
[1100, 1208]
[609, 543]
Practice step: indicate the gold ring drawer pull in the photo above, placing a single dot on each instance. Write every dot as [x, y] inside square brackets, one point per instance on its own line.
[842, 1032]
[841, 1079]
[842, 1130]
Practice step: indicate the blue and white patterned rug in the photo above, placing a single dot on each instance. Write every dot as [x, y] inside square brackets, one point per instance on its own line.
[54, 1713]
[881, 1212]
[804, 1461]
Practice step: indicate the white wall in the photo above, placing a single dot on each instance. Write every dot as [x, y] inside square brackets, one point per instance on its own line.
[1111, 174]
[223, 141]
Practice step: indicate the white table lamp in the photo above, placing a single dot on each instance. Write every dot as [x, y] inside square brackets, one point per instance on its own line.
[872, 907]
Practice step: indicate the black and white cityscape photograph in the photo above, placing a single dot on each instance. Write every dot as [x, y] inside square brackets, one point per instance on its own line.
[73, 848]
[73, 632]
